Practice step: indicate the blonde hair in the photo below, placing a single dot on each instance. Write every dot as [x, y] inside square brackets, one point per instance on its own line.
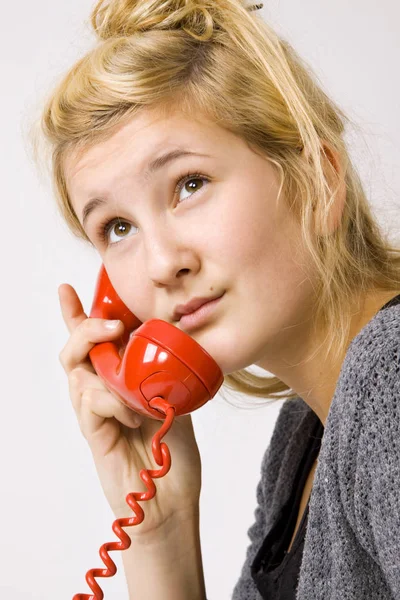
[219, 58]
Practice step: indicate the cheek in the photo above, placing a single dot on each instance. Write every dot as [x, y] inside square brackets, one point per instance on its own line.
[133, 293]
[246, 231]
[141, 300]
[259, 249]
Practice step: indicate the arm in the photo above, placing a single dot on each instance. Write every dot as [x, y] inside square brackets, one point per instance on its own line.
[166, 565]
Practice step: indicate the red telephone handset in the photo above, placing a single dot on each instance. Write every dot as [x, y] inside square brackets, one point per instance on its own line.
[157, 370]
[159, 360]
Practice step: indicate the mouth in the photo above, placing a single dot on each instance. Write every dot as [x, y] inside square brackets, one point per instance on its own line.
[200, 316]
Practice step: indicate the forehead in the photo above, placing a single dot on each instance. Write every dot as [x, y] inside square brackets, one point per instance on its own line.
[136, 142]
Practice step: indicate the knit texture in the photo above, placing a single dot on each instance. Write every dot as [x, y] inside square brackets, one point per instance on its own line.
[352, 543]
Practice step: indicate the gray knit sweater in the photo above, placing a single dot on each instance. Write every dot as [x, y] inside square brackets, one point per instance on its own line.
[352, 543]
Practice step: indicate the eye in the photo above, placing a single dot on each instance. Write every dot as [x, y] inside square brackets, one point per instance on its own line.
[190, 177]
[108, 227]
[120, 226]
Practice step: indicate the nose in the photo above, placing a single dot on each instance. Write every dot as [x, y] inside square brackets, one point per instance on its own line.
[169, 256]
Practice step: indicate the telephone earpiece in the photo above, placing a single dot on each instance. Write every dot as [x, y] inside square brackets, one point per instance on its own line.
[159, 360]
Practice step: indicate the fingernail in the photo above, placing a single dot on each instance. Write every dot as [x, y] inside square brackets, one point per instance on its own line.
[111, 324]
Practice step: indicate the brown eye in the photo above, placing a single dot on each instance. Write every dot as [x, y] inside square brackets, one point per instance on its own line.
[191, 183]
[121, 228]
[193, 186]
[117, 226]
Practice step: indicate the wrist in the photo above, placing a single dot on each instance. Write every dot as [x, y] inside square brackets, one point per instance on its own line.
[185, 522]
[167, 564]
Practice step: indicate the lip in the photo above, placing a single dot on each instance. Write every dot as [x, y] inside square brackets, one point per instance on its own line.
[190, 307]
[200, 315]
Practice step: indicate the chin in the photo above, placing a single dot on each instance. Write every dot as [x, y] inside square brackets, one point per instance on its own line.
[222, 349]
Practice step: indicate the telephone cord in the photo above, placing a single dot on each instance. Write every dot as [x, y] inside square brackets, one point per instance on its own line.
[163, 458]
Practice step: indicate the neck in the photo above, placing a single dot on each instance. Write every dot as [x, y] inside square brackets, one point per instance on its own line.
[315, 380]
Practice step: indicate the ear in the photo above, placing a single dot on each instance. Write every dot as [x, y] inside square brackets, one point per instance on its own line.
[335, 177]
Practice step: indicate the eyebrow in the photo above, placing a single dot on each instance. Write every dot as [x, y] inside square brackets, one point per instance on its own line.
[155, 165]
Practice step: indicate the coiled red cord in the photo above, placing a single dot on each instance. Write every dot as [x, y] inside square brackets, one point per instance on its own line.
[163, 458]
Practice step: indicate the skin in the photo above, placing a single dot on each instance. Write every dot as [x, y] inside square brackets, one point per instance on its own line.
[232, 235]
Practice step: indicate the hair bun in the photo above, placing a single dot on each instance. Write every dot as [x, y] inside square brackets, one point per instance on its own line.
[116, 18]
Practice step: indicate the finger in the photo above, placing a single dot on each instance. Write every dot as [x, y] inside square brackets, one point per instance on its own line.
[71, 306]
[79, 380]
[84, 337]
[98, 405]
[73, 314]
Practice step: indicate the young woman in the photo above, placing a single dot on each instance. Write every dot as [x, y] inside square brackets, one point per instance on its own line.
[196, 152]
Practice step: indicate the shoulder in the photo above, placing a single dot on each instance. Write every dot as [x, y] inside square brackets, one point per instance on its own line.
[371, 380]
[371, 369]
[364, 427]
[369, 469]
[375, 339]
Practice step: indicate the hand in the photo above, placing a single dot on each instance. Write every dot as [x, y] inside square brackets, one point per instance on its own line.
[120, 438]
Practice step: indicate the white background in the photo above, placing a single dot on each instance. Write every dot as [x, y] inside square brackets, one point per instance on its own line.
[53, 515]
